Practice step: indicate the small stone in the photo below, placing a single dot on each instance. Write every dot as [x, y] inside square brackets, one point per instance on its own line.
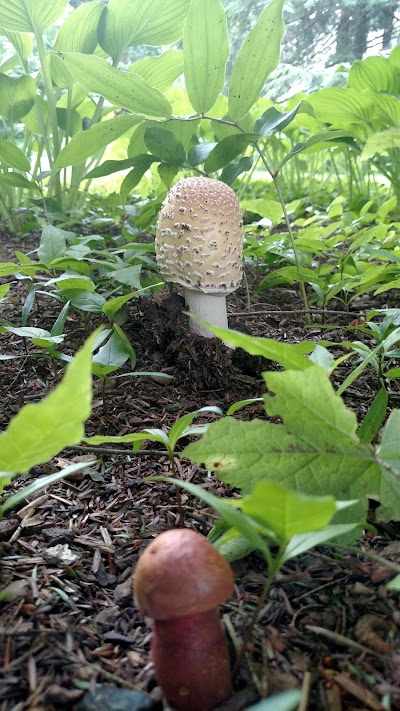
[123, 593]
[110, 698]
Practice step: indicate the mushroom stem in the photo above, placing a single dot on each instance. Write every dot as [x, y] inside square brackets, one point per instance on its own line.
[208, 307]
[191, 661]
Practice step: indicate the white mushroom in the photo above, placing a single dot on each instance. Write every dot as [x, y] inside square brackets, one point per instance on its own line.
[199, 245]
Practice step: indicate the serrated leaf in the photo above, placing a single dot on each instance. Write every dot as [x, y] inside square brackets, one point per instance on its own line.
[124, 89]
[315, 451]
[41, 430]
[257, 58]
[205, 53]
[30, 15]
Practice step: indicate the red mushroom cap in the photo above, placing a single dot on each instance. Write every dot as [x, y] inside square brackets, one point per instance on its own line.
[181, 573]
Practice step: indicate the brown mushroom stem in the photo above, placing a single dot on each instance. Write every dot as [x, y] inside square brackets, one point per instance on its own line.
[208, 307]
[191, 661]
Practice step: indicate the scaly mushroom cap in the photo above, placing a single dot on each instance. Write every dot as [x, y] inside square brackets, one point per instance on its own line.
[181, 573]
[199, 236]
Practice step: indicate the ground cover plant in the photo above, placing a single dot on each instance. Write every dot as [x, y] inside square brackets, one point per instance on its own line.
[277, 439]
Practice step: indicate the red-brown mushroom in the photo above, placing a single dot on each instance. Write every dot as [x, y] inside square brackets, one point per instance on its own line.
[179, 581]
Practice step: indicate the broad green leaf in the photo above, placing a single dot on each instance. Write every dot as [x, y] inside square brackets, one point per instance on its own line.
[142, 164]
[23, 44]
[380, 142]
[126, 23]
[13, 156]
[112, 306]
[342, 106]
[258, 57]
[164, 145]
[37, 485]
[305, 541]
[160, 72]
[52, 244]
[205, 53]
[263, 207]
[71, 280]
[319, 142]
[87, 143]
[315, 451]
[78, 33]
[285, 512]
[236, 168]
[30, 15]
[111, 166]
[36, 119]
[273, 120]
[129, 275]
[41, 430]
[17, 96]
[226, 150]
[376, 73]
[18, 181]
[286, 354]
[124, 89]
[167, 173]
[89, 301]
[200, 152]
[110, 357]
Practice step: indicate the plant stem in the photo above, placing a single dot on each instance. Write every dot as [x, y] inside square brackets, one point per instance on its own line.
[44, 62]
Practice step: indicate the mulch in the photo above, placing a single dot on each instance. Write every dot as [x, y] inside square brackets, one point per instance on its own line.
[71, 628]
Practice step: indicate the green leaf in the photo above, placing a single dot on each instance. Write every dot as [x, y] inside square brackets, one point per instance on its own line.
[133, 22]
[124, 89]
[285, 512]
[130, 275]
[52, 244]
[258, 57]
[85, 300]
[304, 542]
[110, 357]
[23, 44]
[200, 152]
[71, 280]
[287, 355]
[375, 415]
[179, 428]
[142, 164]
[164, 145]
[78, 33]
[160, 72]
[342, 106]
[205, 53]
[380, 142]
[233, 170]
[17, 96]
[315, 451]
[376, 73]
[263, 207]
[18, 181]
[87, 143]
[30, 15]
[273, 120]
[226, 150]
[41, 430]
[13, 156]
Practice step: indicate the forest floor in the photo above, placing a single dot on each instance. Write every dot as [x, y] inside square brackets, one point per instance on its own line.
[70, 635]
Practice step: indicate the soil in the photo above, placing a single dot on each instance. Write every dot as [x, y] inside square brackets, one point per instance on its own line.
[329, 626]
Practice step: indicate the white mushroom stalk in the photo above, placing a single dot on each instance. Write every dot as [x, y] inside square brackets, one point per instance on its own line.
[199, 245]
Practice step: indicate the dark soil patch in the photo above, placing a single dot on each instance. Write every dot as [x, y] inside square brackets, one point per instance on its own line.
[329, 625]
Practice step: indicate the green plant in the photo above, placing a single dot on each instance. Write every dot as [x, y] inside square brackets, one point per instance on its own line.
[39, 431]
